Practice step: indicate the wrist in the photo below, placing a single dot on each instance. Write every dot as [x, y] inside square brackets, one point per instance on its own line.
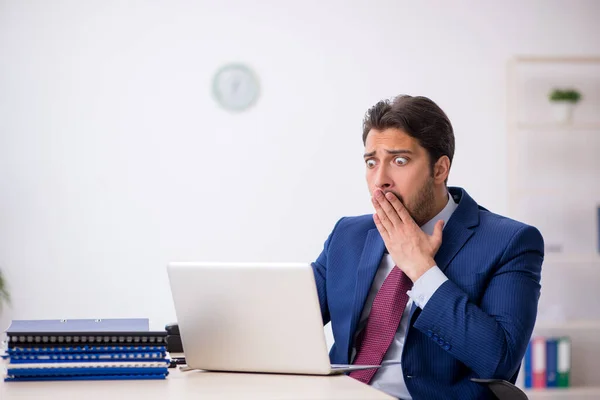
[422, 267]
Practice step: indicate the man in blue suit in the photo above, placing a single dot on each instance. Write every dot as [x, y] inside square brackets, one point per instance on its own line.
[432, 286]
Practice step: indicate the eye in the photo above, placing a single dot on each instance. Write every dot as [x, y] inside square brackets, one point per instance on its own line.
[400, 160]
[370, 163]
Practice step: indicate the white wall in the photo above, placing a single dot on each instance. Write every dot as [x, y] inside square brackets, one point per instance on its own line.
[114, 159]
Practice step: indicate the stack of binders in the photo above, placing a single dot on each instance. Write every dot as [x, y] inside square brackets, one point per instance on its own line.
[85, 349]
[547, 362]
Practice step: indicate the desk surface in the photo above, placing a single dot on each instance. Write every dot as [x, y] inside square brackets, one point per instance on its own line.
[199, 385]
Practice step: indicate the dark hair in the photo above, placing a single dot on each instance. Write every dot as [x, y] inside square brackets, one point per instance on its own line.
[420, 118]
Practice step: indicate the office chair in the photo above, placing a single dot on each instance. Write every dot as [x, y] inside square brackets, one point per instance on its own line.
[503, 390]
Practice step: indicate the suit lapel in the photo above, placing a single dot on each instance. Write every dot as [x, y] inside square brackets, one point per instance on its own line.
[454, 238]
[459, 228]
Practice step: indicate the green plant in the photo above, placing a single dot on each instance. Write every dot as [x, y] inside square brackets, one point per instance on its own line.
[4, 296]
[569, 95]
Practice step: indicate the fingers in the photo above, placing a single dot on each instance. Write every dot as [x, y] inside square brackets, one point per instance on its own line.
[401, 211]
[382, 218]
[387, 214]
[436, 238]
[382, 231]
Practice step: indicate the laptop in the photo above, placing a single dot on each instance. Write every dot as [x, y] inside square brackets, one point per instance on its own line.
[251, 317]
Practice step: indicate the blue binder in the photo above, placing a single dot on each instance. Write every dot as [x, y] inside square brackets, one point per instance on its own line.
[551, 362]
[528, 381]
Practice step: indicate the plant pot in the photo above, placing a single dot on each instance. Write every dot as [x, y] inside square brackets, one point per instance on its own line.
[563, 111]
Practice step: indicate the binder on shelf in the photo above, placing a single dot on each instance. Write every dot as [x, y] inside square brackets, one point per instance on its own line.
[564, 361]
[538, 364]
[551, 362]
[98, 332]
[598, 224]
[527, 371]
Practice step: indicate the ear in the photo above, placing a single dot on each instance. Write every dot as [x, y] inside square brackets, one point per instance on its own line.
[441, 169]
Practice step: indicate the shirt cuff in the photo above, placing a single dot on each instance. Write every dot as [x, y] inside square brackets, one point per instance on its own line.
[426, 286]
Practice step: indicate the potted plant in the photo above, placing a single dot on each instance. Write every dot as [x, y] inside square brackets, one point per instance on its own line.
[563, 102]
[4, 296]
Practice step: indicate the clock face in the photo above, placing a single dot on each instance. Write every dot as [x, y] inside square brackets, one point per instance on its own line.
[235, 87]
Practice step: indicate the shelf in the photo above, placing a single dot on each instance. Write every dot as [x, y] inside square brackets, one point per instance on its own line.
[572, 259]
[591, 392]
[549, 126]
[563, 192]
[582, 324]
[557, 59]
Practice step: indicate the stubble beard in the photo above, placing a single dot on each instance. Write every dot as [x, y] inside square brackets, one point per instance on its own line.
[421, 208]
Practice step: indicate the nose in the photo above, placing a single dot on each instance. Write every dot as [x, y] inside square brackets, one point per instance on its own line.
[382, 178]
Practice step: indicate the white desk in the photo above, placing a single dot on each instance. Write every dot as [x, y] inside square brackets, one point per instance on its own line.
[198, 385]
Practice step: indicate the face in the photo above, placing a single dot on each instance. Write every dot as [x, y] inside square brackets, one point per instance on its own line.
[397, 163]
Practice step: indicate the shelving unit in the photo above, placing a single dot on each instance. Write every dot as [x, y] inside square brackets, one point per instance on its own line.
[582, 324]
[554, 185]
[572, 260]
[554, 166]
[576, 393]
[555, 127]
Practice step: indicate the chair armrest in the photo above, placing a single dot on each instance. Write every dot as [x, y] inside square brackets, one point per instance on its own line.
[503, 390]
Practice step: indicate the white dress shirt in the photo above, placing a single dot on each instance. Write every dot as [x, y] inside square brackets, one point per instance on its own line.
[389, 377]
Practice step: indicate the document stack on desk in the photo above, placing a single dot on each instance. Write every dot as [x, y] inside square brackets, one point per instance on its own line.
[85, 349]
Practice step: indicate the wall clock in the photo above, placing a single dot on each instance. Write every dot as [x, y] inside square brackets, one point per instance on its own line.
[235, 87]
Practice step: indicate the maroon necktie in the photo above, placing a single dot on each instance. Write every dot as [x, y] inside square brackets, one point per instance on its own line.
[382, 324]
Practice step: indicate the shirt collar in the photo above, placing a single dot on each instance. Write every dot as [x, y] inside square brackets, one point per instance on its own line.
[444, 215]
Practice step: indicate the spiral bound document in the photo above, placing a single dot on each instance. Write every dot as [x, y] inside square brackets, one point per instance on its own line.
[137, 376]
[83, 372]
[18, 351]
[86, 357]
[79, 332]
[97, 366]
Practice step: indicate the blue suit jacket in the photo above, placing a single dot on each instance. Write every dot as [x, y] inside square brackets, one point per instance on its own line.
[477, 324]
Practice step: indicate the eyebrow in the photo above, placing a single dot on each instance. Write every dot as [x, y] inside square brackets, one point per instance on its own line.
[393, 152]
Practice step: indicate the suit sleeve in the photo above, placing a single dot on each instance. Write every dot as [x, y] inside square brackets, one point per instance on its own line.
[320, 270]
[491, 338]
